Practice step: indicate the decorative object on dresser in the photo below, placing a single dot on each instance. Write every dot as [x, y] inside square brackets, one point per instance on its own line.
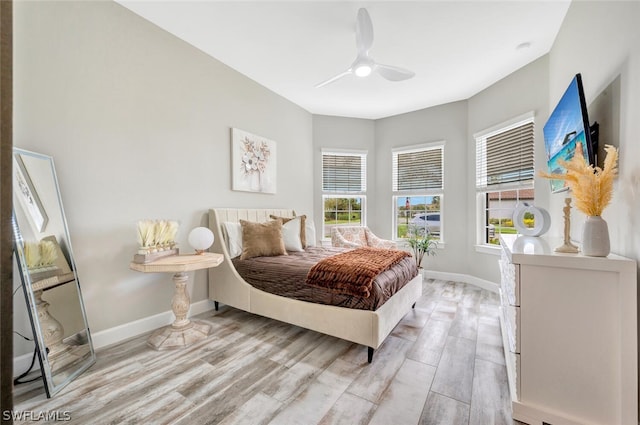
[567, 246]
[200, 239]
[183, 332]
[253, 162]
[569, 327]
[156, 239]
[541, 219]
[48, 274]
[592, 189]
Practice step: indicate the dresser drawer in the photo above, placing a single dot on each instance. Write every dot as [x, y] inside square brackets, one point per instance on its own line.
[510, 280]
[513, 365]
[512, 323]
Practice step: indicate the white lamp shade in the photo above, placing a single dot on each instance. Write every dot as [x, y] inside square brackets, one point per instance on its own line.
[201, 238]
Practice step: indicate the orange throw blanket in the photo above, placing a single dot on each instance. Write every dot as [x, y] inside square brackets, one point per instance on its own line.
[353, 272]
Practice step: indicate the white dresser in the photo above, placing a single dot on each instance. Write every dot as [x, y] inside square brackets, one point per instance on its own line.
[569, 328]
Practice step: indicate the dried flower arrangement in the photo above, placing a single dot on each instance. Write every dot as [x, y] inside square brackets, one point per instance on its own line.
[592, 186]
[40, 255]
[156, 235]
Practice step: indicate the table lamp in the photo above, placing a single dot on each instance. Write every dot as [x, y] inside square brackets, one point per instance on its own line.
[200, 238]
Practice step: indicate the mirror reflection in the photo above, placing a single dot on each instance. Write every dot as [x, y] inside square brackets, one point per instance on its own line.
[48, 273]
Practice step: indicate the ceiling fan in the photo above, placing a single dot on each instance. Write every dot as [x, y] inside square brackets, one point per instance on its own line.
[364, 65]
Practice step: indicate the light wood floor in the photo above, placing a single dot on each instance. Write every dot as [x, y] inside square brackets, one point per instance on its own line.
[443, 364]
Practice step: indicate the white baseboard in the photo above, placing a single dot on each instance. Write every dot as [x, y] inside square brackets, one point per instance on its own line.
[122, 332]
[147, 324]
[465, 278]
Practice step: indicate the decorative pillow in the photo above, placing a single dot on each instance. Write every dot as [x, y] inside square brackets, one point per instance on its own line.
[291, 235]
[262, 239]
[310, 232]
[302, 218]
[233, 233]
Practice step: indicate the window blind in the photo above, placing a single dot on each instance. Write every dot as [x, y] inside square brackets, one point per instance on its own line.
[344, 172]
[418, 169]
[506, 156]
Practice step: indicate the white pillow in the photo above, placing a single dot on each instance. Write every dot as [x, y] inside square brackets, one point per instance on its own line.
[291, 235]
[310, 232]
[234, 238]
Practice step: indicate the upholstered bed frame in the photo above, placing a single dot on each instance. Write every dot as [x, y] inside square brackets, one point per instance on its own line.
[364, 327]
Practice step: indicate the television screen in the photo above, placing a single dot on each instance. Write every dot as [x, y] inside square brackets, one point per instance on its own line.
[567, 133]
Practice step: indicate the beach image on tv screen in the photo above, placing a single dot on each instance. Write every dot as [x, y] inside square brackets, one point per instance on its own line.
[564, 134]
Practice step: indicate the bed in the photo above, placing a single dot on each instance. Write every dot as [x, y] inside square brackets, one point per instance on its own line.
[366, 327]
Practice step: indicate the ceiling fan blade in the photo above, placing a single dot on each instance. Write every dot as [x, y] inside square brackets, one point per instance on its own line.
[334, 78]
[394, 73]
[364, 32]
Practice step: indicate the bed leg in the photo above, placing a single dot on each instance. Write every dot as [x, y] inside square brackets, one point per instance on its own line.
[369, 354]
[216, 305]
[414, 305]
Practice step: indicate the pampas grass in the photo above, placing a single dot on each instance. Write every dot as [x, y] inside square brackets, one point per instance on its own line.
[156, 235]
[592, 186]
[40, 254]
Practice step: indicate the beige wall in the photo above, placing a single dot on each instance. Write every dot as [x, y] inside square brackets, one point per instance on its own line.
[138, 123]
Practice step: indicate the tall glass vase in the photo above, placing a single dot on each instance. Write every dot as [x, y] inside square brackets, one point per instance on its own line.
[595, 237]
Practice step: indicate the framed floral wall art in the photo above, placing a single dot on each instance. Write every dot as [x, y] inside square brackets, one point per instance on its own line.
[253, 162]
[27, 195]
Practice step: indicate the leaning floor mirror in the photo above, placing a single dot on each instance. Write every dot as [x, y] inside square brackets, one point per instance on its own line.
[48, 272]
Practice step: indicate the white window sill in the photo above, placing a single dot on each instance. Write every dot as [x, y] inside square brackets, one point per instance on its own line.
[487, 249]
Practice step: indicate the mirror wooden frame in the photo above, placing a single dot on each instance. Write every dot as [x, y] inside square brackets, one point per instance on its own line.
[46, 263]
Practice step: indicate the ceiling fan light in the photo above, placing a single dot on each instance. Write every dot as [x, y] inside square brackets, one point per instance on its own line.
[363, 70]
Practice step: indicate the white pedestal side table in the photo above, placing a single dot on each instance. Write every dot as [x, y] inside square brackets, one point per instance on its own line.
[183, 332]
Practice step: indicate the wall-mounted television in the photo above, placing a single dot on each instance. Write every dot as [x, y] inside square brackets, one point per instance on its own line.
[567, 132]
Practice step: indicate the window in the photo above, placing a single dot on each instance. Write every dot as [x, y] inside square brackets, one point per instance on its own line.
[418, 189]
[344, 187]
[504, 177]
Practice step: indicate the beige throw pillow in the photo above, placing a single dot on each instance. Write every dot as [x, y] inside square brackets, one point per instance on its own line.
[303, 237]
[262, 239]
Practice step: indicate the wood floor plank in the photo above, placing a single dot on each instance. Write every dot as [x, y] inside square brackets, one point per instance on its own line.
[445, 310]
[471, 296]
[296, 378]
[376, 377]
[453, 291]
[465, 324]
[490, 343]
[312, 404]
[442, 410]
[223, 401]
[257, 411]
[430, 343]
[298, 348]
[349, 410]
[490, 401]
[411, 324]
[405, 397]
[454, 376]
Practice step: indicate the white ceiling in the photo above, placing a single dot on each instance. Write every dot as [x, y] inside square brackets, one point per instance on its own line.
[456, 48]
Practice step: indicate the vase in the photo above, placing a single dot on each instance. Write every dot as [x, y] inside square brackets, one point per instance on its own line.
[595, 237]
